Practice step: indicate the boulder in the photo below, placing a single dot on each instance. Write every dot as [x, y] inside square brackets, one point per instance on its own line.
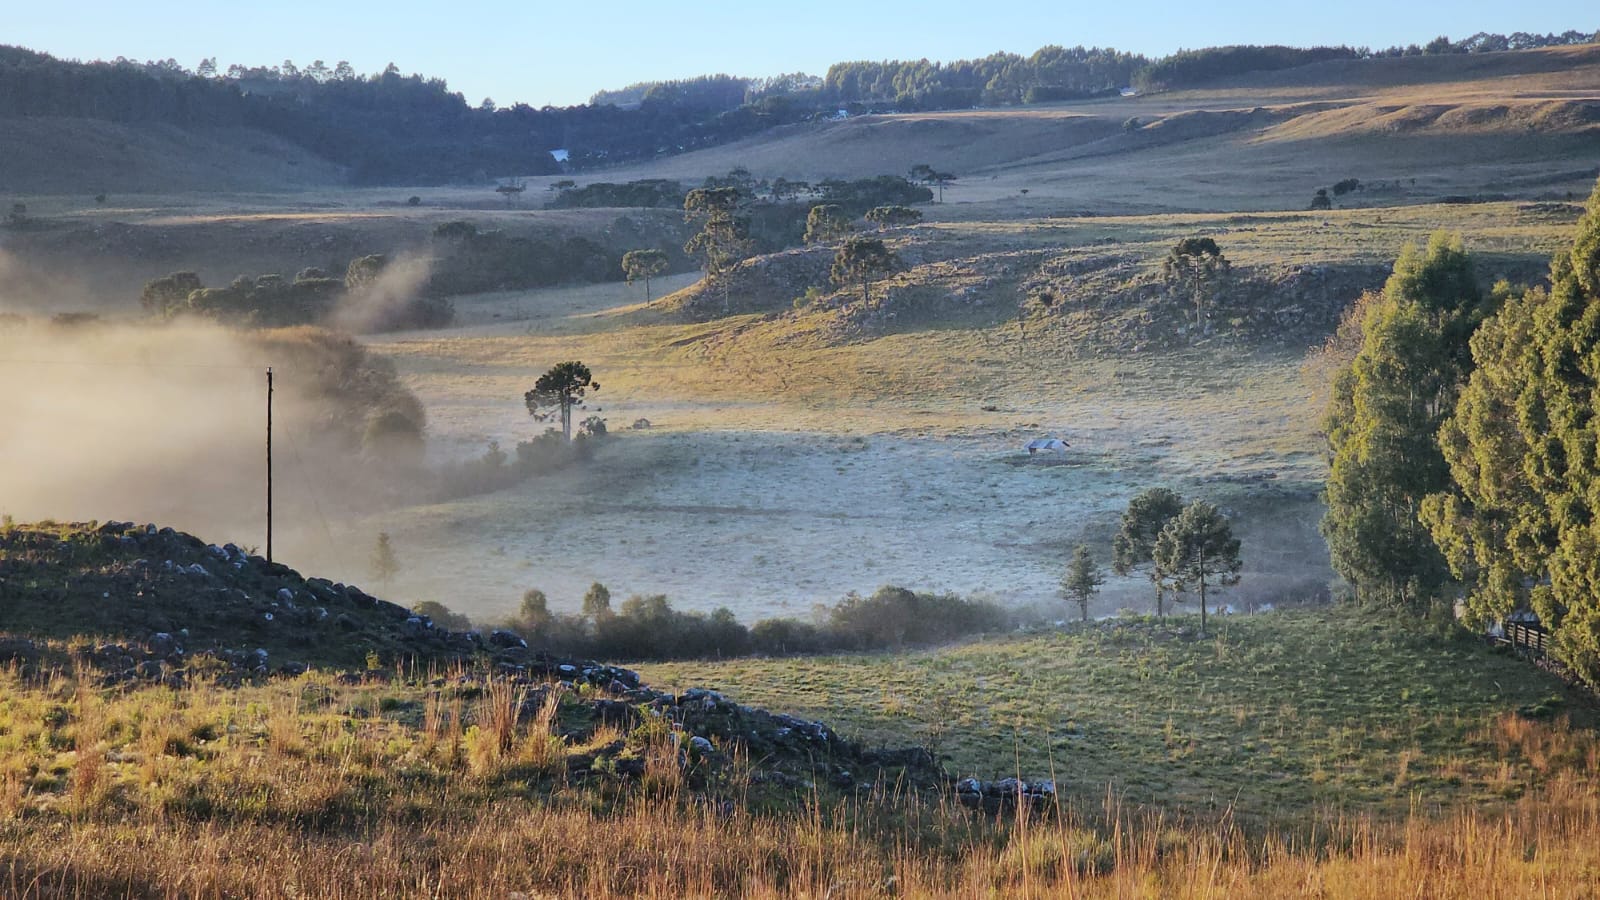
[500, 638]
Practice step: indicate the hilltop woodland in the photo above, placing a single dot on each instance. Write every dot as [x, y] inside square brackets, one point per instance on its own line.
[389, 128]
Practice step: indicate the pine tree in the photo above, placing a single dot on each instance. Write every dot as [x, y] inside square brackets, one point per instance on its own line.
[1382, 423]
[559, 391]
[1198, 552]
[1518, 522]
[1135, 543]
[1083, 579]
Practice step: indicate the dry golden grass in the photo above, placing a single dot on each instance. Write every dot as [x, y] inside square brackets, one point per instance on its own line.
[654, 847]
[306, 788]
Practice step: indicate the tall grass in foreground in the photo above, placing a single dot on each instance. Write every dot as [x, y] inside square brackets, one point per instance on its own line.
[1543, 846]
[307, 788]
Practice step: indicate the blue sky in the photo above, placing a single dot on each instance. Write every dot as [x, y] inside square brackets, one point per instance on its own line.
[560, 53]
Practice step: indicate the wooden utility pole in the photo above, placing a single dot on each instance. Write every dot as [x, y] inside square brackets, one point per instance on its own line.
[269, 464]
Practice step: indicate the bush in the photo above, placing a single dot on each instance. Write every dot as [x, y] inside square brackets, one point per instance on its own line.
[271, 301]
[858, 196]
[894, 617]
[468, 261]
[647, 193]
[442, 616]
[166, 296]
[780, 637]
[893, 216]
[592, 427]
[648, 628]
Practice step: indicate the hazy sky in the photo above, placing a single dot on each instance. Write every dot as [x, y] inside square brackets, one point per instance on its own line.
[560, 53]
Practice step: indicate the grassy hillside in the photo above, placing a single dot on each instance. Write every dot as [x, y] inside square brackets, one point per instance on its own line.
[85, 157]
[1288, 752]
[1270, 714]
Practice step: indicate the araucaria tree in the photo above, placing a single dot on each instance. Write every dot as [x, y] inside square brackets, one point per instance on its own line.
[1083, 579]
[643, 265]
[724, 236]
[1198, 552]
[1134, 546]
[1197, 270]
[1518, 524]
[1382, 422]
[861, 260]
[558, 391]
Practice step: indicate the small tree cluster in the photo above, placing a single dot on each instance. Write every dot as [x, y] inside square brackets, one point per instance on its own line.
[1183, 548]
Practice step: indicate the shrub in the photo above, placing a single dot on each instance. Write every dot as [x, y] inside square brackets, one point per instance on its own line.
[592, 427]
[893, 216]
[169, 295]
[442, 615]
[779, 637]
[895, 617]
[648, 628]
[648, 193]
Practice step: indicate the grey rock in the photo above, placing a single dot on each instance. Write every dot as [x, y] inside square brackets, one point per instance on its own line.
[504, 639]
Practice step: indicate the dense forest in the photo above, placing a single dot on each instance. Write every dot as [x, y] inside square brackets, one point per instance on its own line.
[390, 128]
[387, 127]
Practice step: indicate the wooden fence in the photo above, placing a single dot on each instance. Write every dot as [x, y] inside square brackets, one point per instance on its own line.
[1526, 637]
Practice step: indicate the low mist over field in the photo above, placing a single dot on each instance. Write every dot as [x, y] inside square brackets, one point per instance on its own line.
[167, 423]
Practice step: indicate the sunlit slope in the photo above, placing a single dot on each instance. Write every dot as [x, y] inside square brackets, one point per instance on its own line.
[1525, 124]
